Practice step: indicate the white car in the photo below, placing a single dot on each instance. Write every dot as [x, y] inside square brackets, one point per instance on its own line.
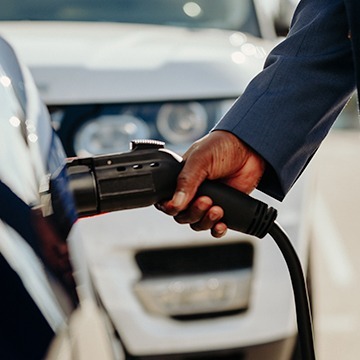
[110, 72]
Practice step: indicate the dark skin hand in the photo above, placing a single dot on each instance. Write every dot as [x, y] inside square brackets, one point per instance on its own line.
[221, 156]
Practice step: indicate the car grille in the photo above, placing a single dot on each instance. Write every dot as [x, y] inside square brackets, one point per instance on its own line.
[195, 260]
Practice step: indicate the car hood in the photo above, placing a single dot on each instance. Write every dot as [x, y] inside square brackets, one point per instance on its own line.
[103, 62]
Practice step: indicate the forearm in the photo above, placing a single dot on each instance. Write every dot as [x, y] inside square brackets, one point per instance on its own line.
[288, 109]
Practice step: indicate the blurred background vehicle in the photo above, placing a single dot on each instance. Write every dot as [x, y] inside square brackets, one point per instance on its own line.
[113, 71]
[109, 69]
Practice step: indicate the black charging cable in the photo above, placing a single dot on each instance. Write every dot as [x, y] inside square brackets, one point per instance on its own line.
[303, 312]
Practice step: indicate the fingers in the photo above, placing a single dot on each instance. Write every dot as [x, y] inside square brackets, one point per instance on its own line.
[201, 215]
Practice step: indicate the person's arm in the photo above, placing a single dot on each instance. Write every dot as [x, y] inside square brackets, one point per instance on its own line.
[279, 121]
[288, 109]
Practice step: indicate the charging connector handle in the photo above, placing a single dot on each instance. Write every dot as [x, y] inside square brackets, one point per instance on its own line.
[147, 175]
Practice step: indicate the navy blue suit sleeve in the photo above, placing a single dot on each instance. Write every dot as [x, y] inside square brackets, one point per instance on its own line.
[288, 109]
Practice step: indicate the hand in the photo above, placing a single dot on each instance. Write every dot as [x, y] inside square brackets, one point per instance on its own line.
[219, 155]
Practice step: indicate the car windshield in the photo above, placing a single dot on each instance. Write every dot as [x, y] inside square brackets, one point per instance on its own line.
[221, 14]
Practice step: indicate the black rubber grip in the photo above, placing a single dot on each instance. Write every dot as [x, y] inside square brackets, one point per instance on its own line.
[241, 212]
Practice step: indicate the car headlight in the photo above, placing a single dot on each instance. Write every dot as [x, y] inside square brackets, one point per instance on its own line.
[109, 134]
[96, 129]
[182, 123]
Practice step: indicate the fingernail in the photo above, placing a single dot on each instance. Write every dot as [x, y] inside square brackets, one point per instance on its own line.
[219, 234]
[222, 233]
[178, 199]
[214, 216]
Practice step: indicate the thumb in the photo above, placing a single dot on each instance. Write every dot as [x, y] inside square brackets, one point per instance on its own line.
[190, 178]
